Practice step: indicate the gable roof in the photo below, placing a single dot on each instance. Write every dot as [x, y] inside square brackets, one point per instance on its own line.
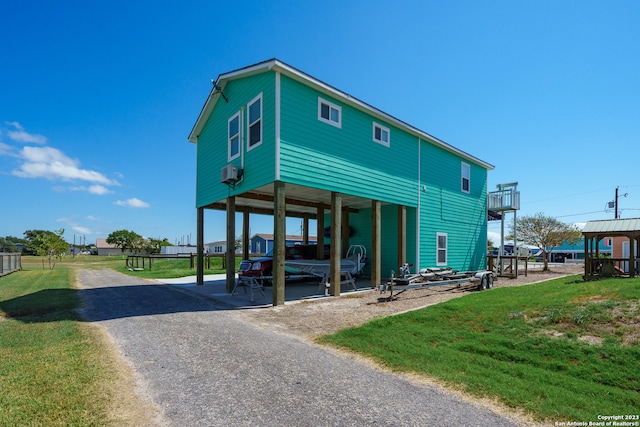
[300, 76]
[101, 243]
[612, 226]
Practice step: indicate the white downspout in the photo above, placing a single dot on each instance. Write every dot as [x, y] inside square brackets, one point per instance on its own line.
[277, 141]
[418, 212]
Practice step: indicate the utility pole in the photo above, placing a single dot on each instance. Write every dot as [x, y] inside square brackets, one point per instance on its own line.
[615, 203]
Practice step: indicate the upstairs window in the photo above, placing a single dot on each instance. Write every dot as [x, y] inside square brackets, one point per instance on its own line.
[381, 134]
[254, 114]
[234, 136]
[441, 248]
[465, 173]
[329, 113]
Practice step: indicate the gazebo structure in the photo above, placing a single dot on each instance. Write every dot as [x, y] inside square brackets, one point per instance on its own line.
[627, 265]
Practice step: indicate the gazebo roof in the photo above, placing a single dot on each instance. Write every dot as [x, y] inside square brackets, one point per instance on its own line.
[613, 227]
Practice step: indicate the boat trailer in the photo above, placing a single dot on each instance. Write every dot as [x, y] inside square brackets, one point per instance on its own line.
[431, 277]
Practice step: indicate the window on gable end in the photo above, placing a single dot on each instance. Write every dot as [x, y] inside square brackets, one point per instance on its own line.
[234, 137]
[254, 122]
[465, 175]
[329, 113]
[381, 134]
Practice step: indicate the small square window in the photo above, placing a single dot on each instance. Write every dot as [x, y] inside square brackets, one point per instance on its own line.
[465, 174]
[381, 134]
[329, 113]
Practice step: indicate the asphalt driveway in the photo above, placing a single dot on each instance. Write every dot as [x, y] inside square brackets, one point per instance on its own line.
[206, 366]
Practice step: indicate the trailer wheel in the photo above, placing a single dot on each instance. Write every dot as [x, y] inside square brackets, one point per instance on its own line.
[484, 283]
[489, 280]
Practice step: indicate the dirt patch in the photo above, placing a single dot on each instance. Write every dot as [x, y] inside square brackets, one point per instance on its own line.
[590, 339]
[309, 319]
[129, 402]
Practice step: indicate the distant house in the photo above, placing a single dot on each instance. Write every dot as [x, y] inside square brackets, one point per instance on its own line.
[218, 247]
[263, 243]
[178, 250]
[105, 248]
[576, 251]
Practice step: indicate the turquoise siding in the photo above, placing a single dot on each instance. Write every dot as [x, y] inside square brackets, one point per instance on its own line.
[444, 208]
[212, 142]
[361, 224]
[346, 159]
[411, 172]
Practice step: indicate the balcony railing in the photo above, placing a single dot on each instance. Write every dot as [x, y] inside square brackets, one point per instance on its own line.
[503, 200]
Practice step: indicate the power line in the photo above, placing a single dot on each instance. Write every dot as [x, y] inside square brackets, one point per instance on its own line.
[564, 216]
[584, 213]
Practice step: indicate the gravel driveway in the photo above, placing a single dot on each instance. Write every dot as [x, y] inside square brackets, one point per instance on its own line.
[204, 364]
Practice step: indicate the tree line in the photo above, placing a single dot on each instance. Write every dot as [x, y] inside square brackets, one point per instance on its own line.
[130, 241]
[52, 244]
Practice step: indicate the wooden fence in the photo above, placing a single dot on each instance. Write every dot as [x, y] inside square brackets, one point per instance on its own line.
[509, 267]
[10, 262]
[142, 262]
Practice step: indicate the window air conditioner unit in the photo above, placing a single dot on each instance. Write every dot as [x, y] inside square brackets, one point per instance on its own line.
[229, 174]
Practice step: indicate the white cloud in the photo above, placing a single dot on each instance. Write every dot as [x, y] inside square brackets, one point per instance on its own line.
[80, 229]
[92, 218]
[6, 150]
[99, 189]
[52, 164]
[75, 227]
[494, 237]
[133, 203]
[20, 135]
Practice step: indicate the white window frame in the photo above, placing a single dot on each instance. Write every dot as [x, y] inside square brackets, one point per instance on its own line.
[465, 167]
[249, 123]
[230, 137]
[333, 106]
[444, 249]
[381, 140]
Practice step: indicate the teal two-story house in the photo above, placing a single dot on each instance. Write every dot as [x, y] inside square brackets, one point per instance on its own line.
[272, 139]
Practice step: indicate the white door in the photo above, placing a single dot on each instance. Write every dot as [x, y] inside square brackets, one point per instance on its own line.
[625, 254]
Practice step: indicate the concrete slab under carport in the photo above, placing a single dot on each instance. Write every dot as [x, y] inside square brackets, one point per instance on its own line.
[214, 287]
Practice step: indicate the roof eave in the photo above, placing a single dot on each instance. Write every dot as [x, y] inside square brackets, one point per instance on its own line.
[324, 87]
[275, 64]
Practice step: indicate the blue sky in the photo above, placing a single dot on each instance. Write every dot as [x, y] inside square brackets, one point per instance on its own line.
[97, 98]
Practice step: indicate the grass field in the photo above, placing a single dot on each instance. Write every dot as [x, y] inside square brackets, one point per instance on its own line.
[564, 350]
[51, 370]
[160, 268]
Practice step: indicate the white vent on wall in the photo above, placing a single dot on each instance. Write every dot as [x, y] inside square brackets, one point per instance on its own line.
[229, 174]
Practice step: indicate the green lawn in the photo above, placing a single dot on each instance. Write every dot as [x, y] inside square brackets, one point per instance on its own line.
[50, 370]
[160, 268]
[170, 268]
[564, 350]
